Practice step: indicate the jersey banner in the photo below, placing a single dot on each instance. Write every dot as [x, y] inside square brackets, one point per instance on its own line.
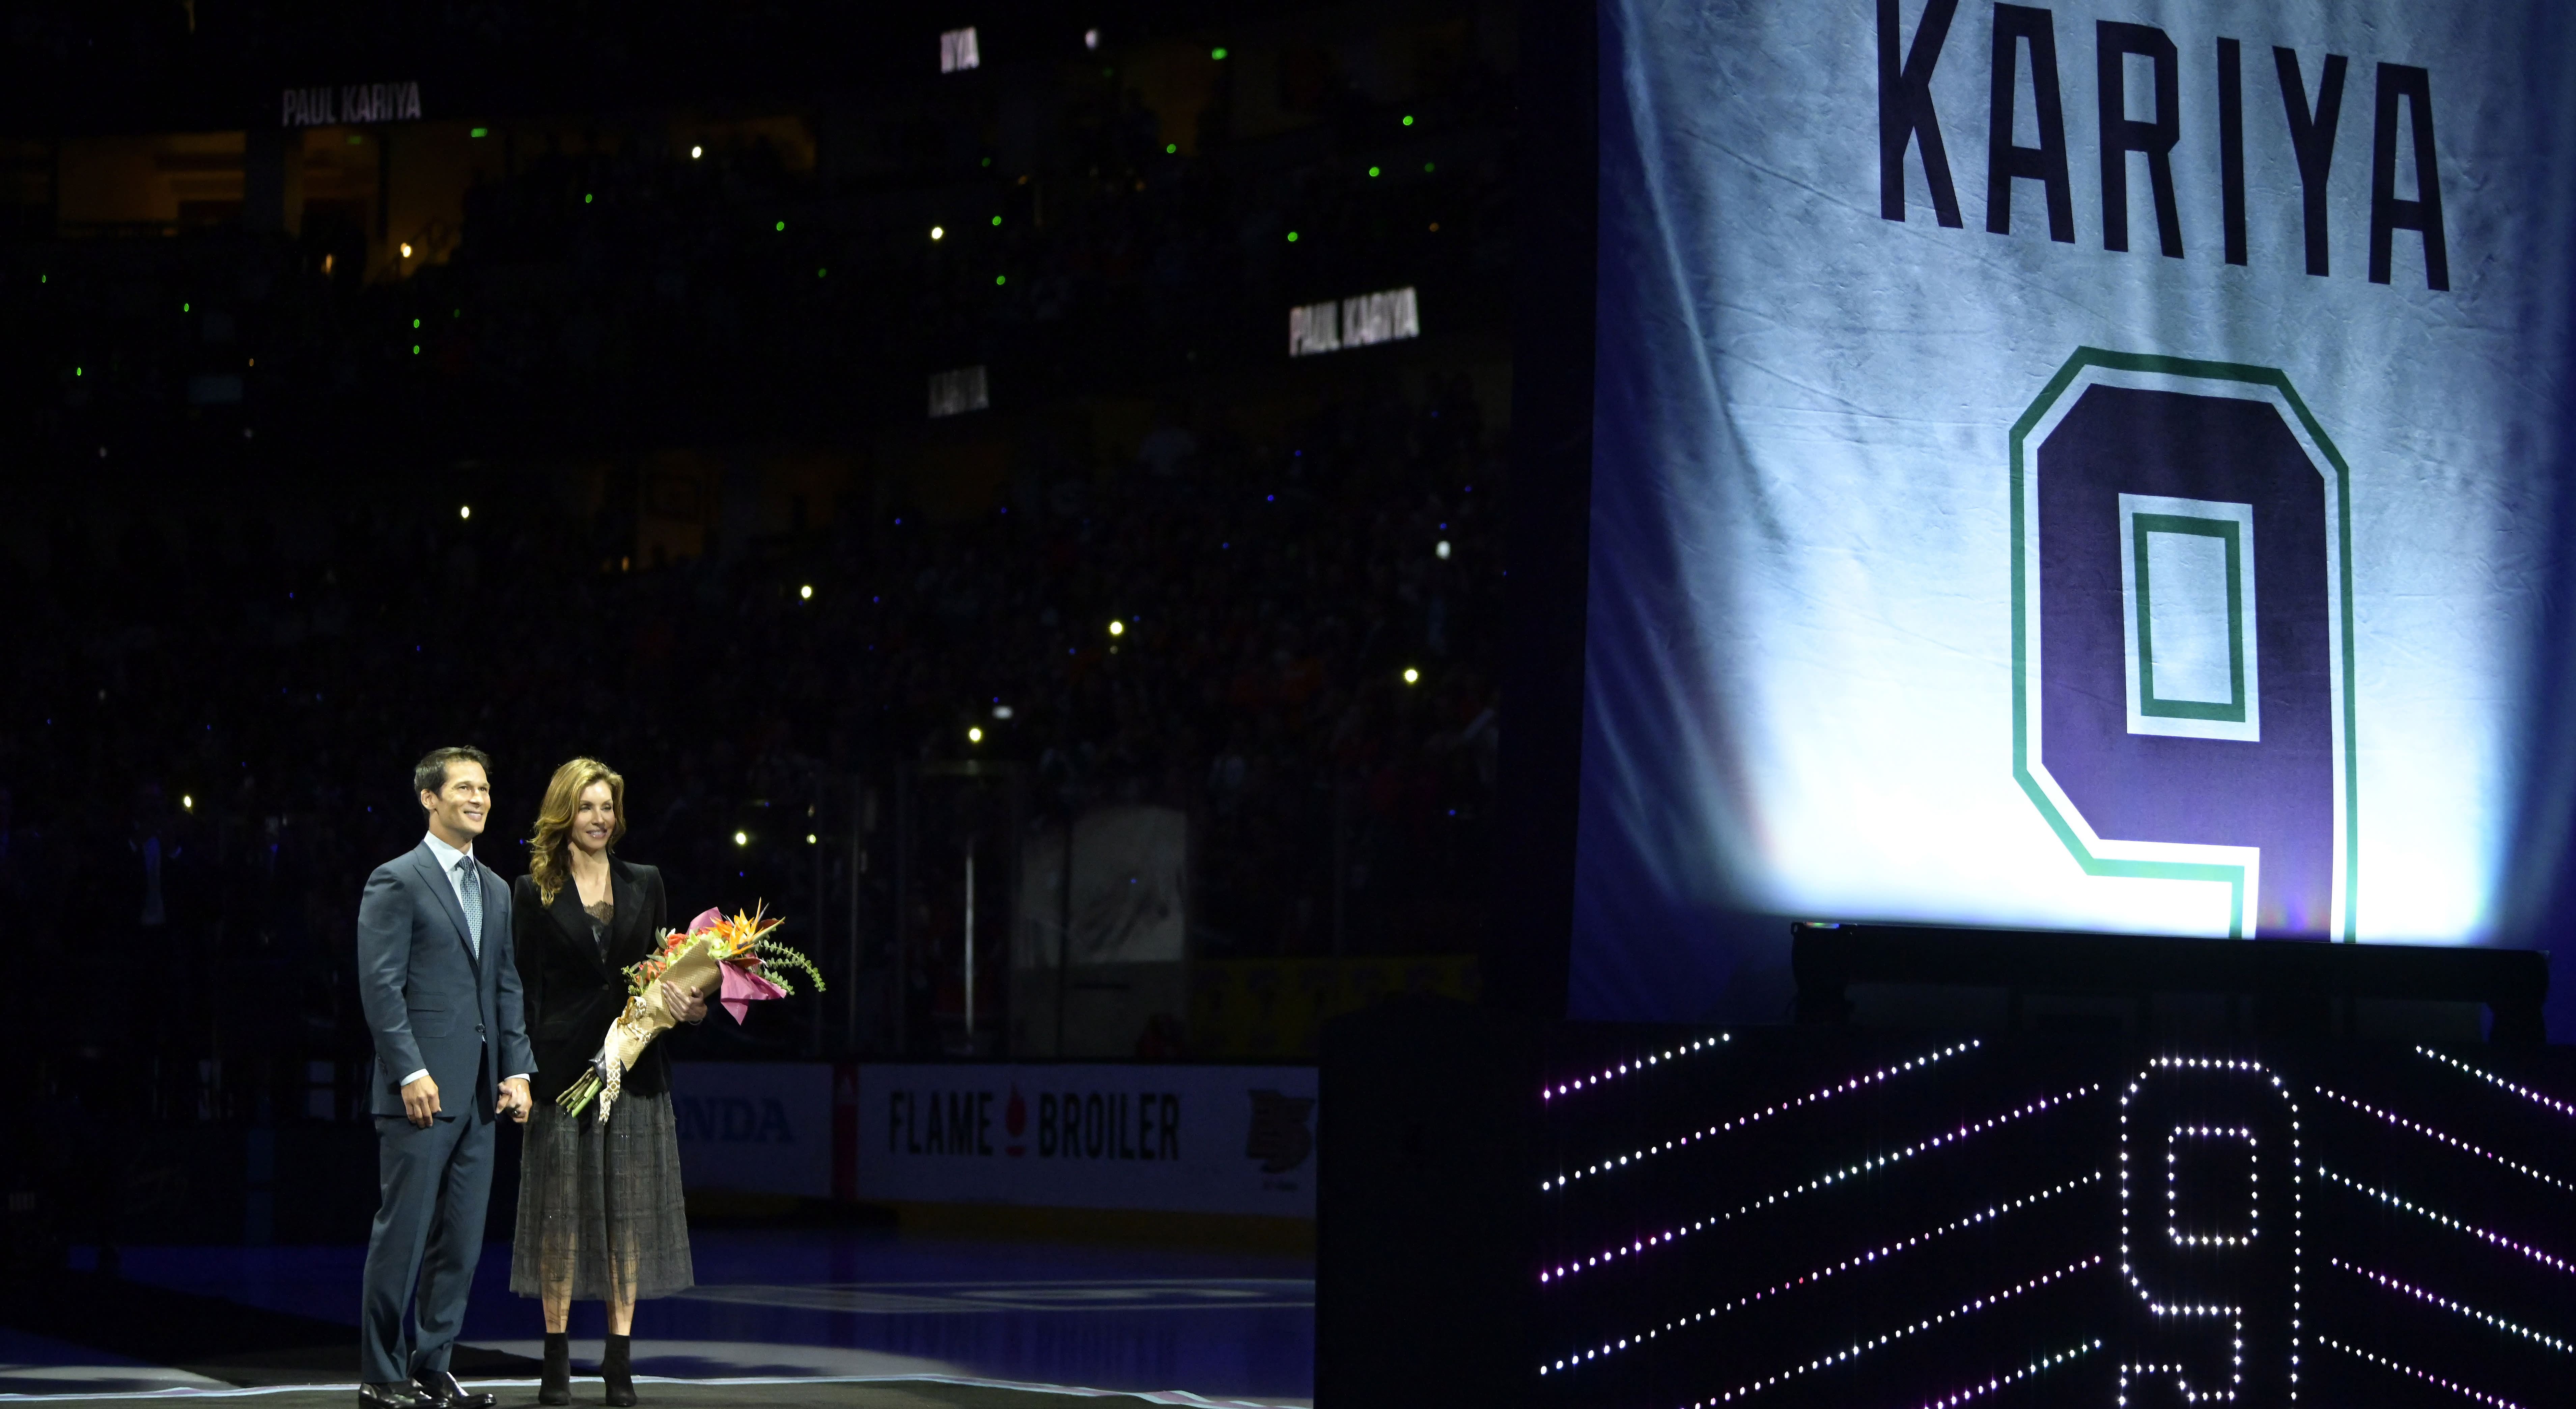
[2095, 466]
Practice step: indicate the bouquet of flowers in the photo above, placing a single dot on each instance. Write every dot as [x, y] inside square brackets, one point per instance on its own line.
[734, 955]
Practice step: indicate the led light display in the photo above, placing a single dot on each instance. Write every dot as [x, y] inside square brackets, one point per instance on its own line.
[1690, 1137]
[1824, 1180]
[1901, 1333]
[1832, 1218]
[2092, 467]
[2406, 1289]
[1821, 1273]
[1625, 1068]
[2536, 1254]
[2458, 1389]
[2016, 1377]
[2453, 1141]
[2545, 1101]
[2255, 1293]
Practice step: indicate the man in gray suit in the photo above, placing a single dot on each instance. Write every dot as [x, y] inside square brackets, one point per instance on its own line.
[442, 997]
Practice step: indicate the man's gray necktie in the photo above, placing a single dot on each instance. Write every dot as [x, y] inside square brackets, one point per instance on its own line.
[469, 881]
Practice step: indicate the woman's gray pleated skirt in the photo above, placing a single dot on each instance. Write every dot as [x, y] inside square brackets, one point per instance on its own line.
[600, 1213]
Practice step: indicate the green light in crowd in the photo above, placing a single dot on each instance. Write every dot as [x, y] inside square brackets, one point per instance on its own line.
[1217, 54]
[1408, 119]
[822, 273]
[1426, 166]
[585, 198]
[183, 308]
[1372, 171]
[486, 132]
[1292, 237]
[415, 349]
[1000, 279]
[1170, 148]
[997, 220]
[782, 227]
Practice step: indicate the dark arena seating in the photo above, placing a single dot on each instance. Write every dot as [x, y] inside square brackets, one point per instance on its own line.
[605, 391]
[634, 444]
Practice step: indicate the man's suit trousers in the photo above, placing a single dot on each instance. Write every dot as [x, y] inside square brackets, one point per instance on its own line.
[437, 1184]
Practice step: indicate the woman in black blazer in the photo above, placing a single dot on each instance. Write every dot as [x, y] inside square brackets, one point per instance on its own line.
[600, 1213]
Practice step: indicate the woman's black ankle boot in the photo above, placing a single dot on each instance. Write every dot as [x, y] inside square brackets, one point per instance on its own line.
[556, 1387]
[617, 1367]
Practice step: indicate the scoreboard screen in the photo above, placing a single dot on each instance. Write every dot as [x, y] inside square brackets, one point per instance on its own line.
[1778, 1217]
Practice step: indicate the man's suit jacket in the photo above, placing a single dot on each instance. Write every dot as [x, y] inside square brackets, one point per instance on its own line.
[572, 993]
[430, 1003]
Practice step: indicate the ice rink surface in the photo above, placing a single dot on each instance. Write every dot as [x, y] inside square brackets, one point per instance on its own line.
[848, 1305]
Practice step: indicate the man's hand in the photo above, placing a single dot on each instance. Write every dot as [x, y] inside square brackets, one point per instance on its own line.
[514, 1101]
[420, 1101]
[687, 1007]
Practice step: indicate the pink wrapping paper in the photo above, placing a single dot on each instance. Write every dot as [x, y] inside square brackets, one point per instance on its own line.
[742, 988]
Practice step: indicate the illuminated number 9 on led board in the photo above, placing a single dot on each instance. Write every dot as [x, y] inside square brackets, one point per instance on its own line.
[2210, 1179]
[2181, 612]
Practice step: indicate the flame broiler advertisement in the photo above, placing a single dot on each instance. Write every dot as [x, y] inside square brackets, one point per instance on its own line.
[1205, 1139]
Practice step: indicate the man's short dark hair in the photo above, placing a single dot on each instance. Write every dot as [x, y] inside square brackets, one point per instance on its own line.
[430, 774]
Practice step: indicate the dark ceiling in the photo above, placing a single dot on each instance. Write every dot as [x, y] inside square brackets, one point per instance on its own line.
[72, 67]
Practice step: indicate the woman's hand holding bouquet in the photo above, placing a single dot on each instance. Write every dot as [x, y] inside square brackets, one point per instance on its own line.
[730, 958]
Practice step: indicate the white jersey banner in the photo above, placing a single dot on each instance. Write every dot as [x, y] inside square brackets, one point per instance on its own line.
[2093, 466]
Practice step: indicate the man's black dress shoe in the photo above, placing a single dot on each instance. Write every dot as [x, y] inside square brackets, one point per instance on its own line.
[390, 1396]
[439, 1390]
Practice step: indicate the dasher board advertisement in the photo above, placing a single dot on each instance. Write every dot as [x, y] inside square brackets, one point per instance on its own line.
[755, 1127]
[1198, 1139]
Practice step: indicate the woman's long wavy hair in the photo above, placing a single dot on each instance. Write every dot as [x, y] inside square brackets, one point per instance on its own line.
[549, 850]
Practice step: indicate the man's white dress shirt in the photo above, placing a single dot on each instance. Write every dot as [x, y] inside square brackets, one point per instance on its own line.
[448, 856]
